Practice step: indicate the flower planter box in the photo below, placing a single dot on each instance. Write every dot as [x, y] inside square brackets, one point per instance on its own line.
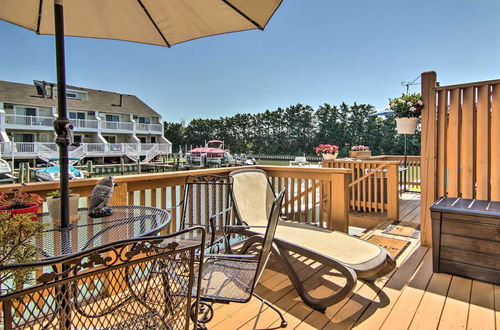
[360, 154]
[466, 238]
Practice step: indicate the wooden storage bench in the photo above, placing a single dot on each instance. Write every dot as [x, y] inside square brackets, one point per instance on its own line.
[466, 238]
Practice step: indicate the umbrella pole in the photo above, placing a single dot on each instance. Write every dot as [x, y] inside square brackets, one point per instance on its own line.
[62, 125]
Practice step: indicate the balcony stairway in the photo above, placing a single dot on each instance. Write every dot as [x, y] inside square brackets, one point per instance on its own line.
[131, 152]
[77, 154]
[46, 153]
[151, 153]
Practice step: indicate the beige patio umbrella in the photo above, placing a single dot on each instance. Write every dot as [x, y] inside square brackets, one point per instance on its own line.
[156, 22]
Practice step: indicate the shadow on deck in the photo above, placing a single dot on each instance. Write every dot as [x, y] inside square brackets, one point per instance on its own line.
[411, 297]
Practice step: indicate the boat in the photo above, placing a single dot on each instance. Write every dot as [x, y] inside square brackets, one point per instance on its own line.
[5, 172]
[212, 154]
[52, 173]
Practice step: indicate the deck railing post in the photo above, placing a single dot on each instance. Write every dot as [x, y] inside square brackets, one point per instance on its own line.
[392, 192]
[339, 202]
[428, 154]
[120, 194]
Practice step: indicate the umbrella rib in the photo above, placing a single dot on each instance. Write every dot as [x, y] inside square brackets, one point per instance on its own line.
[39, 20]
[243, 14]
[153, 22]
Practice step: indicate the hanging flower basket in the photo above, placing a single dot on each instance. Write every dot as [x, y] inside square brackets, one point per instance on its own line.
[406, 125]
[407, 110]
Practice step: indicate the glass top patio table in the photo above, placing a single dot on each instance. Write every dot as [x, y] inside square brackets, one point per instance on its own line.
[85, 233]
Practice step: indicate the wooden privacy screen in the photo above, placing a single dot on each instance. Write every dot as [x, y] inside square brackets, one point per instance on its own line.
[460, 143]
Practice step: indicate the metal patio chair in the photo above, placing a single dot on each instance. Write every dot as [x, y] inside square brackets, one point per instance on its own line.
[233, 277]
[129, 284]
[206, 202]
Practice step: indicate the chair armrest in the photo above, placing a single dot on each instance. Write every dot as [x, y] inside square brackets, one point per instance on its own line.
[175, 206]
[213, 227]
[231, 256]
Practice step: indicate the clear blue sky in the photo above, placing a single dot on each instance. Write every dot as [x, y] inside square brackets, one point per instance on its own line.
[312, 52]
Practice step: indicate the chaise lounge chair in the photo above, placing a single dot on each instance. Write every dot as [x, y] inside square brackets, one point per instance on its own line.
[354, 258]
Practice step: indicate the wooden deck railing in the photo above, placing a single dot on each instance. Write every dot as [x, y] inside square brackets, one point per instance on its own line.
[373, 186]
[314, 195]
[413, 179]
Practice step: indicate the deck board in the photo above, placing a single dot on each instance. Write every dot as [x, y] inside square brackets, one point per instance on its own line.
[411, 297]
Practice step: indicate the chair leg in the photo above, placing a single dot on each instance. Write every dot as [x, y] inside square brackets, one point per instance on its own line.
[320, 304]
[284, 323]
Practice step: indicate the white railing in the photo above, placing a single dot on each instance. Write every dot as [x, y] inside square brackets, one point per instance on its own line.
[28, 120]
[96, 148]
[78, 153]
[141, 127]
[156, 127]
[45, 152]
[151, 153]
[83, 123]
[131, 153]
[49, 150]
[114, 125]
[116, 148]
[146, 146]
[164, 148]
[50, 145]
[149, 127]
[38, 121]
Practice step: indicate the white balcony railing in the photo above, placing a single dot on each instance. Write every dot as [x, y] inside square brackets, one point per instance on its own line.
[82, 123]
[49, 150]
[17, 120]
[29, 120]
[117, 125]
[149, 127]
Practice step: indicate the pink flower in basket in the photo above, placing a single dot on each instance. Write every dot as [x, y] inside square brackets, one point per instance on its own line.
[326, 149]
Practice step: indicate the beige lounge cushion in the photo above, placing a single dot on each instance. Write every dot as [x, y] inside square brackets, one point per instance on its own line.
[342, 247]
[254, 197]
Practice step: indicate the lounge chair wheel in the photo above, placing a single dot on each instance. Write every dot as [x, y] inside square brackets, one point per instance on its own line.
[284, 324]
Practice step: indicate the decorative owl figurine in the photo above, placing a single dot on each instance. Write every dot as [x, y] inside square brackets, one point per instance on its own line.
[100, 197]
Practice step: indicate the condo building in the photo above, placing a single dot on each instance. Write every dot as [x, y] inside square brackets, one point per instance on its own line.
[107, 126]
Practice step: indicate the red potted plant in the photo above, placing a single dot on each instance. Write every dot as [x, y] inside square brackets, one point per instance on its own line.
[20, 202]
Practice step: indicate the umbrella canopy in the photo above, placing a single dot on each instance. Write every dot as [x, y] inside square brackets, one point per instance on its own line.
[157, 22]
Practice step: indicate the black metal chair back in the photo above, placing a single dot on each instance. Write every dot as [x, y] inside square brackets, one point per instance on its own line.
[132, 284]
[206, 197]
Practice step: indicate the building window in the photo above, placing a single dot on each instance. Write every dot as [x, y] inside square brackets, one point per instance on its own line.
[112, 118]
[26, 111]
[76, 115]
[143, 139]
[144, 120]
[76, 95]
[153, 139]
[23, 137]
[78, 138]
[110, 138]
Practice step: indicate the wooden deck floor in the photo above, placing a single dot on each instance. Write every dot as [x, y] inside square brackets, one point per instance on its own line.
[411, 297]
